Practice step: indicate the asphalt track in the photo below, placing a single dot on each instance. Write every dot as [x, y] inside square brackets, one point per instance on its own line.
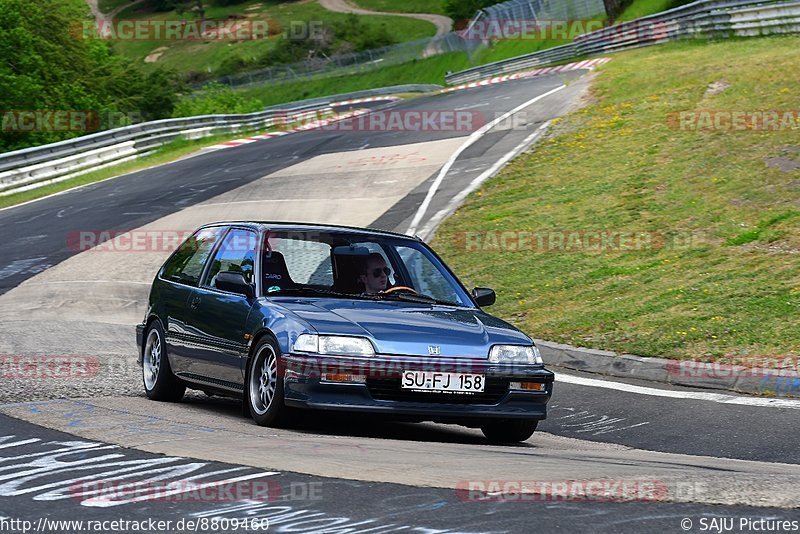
[379, 475]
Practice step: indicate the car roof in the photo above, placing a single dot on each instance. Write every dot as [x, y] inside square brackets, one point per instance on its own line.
[310, 227]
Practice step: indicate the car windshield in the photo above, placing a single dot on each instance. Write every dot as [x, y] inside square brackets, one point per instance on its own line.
[330, 264]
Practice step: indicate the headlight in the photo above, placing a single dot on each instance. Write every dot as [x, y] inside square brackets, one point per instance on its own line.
[515, 354]
[334, 345]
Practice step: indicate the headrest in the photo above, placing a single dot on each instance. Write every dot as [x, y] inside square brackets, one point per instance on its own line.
[274, 271]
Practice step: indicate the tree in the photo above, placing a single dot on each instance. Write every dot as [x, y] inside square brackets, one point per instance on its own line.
[613, 9]
[45, 67]
[462, 11]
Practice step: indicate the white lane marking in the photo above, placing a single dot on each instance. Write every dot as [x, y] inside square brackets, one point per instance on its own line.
[451, 206]
[472, 106]
[475, 136]
[688, 395]
[28, 265]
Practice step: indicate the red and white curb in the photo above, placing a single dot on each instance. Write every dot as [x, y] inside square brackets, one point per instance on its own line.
[247, 140]
[587, 64]
[303, 127]
[363, 100]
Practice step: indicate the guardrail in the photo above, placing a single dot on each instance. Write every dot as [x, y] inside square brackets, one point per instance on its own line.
[704, 18]
[34, 167]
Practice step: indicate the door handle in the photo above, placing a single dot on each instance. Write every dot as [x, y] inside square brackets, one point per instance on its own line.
[195, 303]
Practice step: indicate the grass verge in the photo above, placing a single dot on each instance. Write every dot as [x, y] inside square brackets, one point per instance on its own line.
[720, 278]
[429, 70]
[408, 6]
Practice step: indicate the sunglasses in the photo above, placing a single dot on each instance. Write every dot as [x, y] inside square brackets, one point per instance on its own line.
[376, 273]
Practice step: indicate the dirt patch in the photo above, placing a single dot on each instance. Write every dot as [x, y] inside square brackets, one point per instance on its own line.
[156, 54]
[716, 88]
[785, 162]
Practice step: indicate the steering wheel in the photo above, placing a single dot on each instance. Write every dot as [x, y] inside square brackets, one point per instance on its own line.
[400, 288]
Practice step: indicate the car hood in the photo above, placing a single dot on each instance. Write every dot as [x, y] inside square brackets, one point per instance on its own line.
[403, 328]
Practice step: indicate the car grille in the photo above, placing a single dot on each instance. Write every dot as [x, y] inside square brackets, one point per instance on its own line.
[389, 389]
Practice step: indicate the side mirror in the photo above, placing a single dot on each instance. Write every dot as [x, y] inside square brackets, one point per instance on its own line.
[234, 282]
[484, 296]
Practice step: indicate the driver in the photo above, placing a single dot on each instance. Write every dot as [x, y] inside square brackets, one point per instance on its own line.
[375, 275]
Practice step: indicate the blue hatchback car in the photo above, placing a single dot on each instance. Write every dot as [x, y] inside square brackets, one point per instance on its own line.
[296, 316]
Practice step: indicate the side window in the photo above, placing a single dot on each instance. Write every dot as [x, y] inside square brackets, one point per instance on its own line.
[237, 253]
[186, 265]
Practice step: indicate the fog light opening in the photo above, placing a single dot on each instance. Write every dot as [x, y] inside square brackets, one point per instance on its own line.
[340, 378]
[529, 386]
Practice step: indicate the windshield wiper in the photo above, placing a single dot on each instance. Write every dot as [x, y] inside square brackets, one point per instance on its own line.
[314, 290]
[406, 297]
[418, 297]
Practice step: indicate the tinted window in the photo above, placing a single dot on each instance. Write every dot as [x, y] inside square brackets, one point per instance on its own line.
[237, 253]
[186, 265]
[337, 262]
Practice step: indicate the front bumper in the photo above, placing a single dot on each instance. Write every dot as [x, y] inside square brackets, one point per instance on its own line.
[303, 388]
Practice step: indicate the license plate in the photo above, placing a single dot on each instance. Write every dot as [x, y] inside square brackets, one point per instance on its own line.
[449, 382]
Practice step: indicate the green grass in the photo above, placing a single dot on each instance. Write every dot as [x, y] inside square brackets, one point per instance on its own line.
[207, 56]
[721, 279]
[407, 6]
[642, 8]
[500, 50]
[430, 70]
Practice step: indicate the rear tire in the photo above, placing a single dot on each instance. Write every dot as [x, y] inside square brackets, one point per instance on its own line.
[264, 392]
[509, 431]
[160, 383]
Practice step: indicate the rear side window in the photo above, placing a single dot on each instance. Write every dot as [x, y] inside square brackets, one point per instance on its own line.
[186, 265]
[237, 253]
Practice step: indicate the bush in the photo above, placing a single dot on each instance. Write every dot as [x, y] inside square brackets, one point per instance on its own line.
[215, 99]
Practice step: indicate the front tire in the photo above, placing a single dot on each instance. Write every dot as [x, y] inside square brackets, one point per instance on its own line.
[159, 382]
[264, 395]
[509, 431]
